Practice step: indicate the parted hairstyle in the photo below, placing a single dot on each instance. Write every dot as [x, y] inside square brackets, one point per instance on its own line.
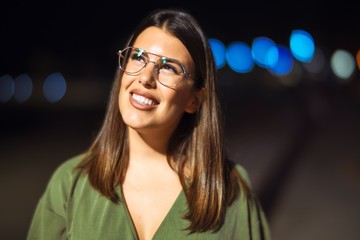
[196, 144]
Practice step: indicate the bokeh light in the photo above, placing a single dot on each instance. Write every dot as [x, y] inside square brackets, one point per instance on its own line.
[23, 88]
[239, 57]
[264, 51]
[7, 87]
[358, 58]
[302, 45]
[342, 64]
[219, 51]
[317, 64]
[54, 87]
[284, 63]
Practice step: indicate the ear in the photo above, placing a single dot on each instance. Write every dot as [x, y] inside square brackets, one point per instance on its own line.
[195, 102]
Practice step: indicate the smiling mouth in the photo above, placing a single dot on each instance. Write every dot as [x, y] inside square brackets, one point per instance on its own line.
[143, 100]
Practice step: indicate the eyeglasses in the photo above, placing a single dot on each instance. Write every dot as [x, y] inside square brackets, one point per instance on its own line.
[169, 72]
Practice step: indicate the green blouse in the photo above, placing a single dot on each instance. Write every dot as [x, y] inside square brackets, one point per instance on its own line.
[71, 208]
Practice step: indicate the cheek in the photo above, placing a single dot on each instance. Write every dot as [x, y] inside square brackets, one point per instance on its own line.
[122, 91]
[180, 99]
[125, 81]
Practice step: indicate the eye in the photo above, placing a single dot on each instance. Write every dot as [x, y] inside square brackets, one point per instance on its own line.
[169, 66]
[137, 55]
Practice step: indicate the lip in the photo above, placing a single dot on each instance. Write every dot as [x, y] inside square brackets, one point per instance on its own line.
[140, 106]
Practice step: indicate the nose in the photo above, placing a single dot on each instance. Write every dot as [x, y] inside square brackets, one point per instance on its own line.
[148, 75]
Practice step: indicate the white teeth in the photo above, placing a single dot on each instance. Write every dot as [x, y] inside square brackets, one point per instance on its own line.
[142, 100]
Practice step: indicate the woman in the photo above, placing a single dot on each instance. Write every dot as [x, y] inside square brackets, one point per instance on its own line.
[157, 169]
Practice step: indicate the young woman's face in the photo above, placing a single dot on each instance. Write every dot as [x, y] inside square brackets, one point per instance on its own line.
[146, 104]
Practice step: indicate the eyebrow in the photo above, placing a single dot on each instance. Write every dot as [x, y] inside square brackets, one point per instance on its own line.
[158, 55]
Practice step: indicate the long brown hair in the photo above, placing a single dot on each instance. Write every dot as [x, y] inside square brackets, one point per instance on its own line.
[197, 143]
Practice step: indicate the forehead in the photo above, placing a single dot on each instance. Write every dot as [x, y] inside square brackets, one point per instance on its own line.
[158, 41]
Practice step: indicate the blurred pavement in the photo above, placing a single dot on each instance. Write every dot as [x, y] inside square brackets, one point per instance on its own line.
[302, 156]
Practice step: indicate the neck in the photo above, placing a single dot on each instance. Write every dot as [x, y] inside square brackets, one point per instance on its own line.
[148, 147]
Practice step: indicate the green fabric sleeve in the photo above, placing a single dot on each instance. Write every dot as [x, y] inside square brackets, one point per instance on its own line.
[47, 224]
[258, 225]
[49, 219]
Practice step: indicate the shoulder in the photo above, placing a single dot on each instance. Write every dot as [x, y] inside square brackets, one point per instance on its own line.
[245, 215]
[62, 182]
[66, 171]
[69, 164]
[243, 173]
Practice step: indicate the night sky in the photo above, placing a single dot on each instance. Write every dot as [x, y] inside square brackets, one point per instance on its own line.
[78, 36]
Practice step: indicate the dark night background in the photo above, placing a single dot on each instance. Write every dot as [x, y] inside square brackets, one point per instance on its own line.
[300, 144]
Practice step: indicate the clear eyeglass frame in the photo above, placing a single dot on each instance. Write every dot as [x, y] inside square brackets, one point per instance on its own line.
[125, 54]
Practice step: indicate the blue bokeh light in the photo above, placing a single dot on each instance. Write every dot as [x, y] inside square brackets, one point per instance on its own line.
[264, 52]
[54, 87]
[23, 88]
[302, 45]
[7, 87]
[285, 62]
[219, 51]
[239, 57]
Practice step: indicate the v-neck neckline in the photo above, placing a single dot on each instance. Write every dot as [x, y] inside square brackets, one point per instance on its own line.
[131, 221]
